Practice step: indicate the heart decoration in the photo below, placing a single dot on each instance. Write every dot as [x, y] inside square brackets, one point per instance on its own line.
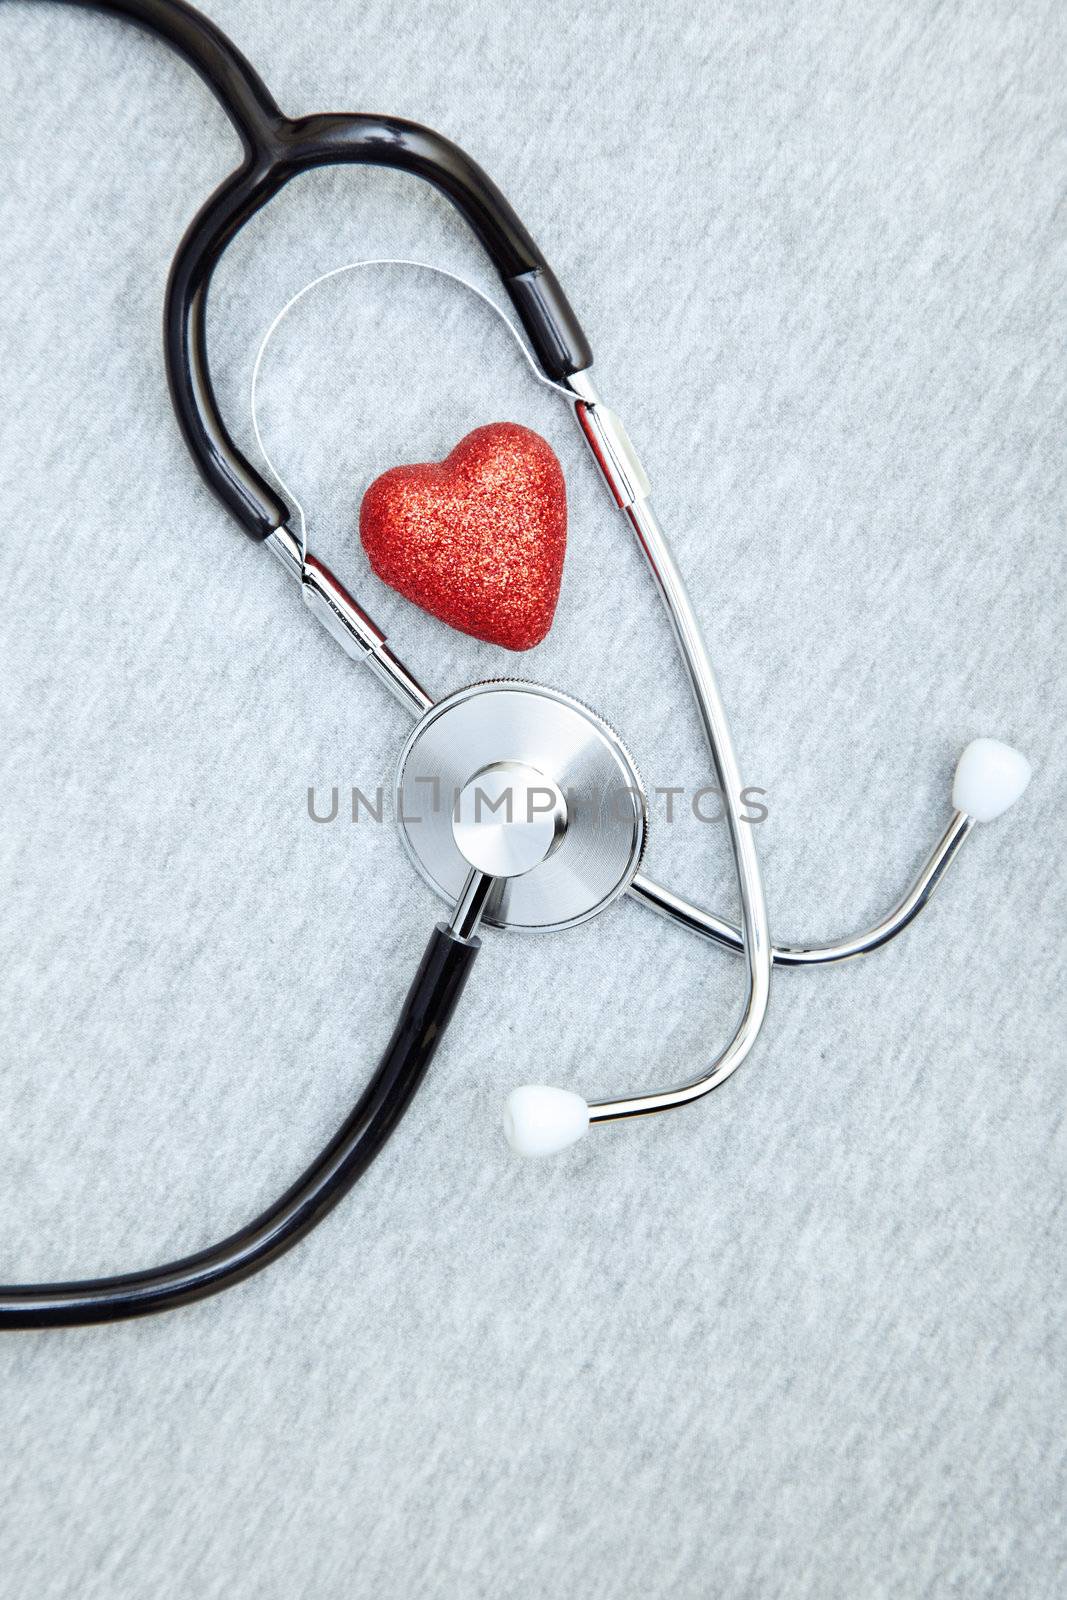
[477, 539]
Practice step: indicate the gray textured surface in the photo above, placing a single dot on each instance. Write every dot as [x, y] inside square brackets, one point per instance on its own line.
[804, 1341]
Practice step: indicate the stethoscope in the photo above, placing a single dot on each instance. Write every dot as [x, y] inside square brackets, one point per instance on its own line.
[510, 848]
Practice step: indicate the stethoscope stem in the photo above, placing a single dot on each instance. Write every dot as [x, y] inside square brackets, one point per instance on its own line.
[472, 904]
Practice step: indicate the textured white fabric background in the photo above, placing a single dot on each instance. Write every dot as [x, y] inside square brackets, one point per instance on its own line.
[805, 1340]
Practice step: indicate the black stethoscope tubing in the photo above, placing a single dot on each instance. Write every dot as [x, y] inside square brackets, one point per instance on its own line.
[276, 149]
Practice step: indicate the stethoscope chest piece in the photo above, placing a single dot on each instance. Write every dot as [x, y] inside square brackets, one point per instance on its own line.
[503, 774]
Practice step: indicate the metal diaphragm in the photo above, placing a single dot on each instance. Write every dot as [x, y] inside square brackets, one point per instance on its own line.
[494, 727]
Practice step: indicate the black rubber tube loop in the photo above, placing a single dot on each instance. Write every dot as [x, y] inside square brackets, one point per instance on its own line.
[430, 1003]
[277, 148]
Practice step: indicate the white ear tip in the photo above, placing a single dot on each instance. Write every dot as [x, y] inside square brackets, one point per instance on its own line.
[990, 777]
[539, 1120]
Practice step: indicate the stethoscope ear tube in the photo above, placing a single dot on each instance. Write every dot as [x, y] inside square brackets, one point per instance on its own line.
[431, 1000]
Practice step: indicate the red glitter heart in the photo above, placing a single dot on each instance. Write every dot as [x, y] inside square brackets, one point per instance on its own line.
[477, 539]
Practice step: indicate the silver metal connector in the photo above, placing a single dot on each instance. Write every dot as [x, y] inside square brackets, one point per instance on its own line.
[358, 634]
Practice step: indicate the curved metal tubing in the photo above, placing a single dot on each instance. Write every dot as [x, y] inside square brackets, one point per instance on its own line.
[625, 477]
[686, 915]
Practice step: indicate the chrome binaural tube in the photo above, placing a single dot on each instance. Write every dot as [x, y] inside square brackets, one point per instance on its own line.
[625, 477]
[907, 908]
[358, 635]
